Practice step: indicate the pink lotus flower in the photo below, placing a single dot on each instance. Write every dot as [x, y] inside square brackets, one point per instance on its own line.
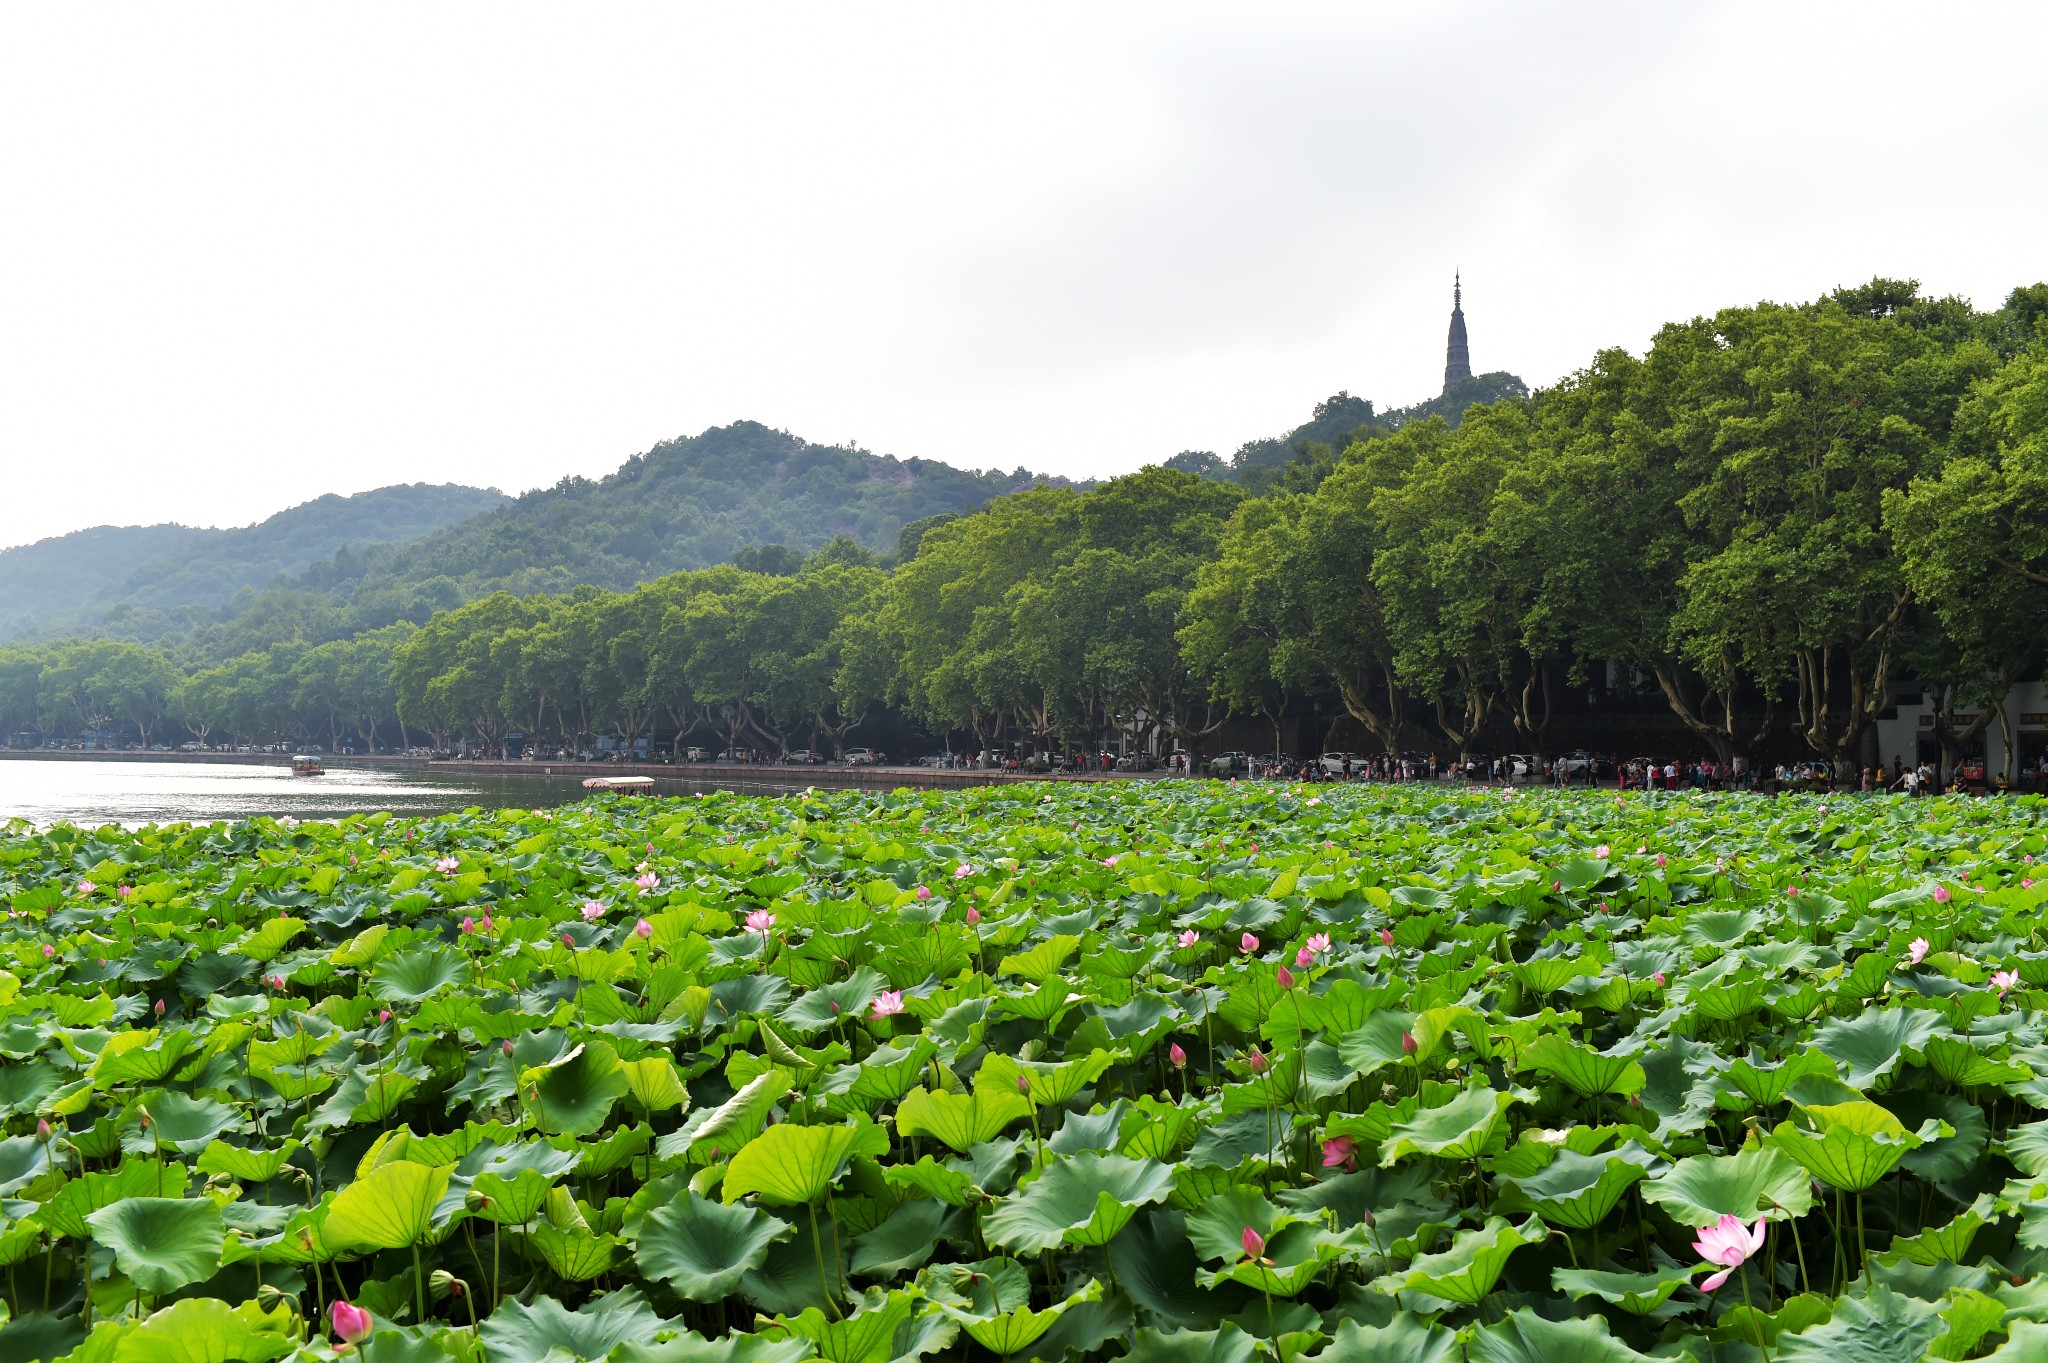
[1247, 944]
[1188, 939]
[468, 926]
[923, 894]
[351, 1323]
[1660, 859]
[125, 890]
[1729, 1244]
[86, 887]
[1340, 1150]
[1254, 1243]
[383, 1015]
[1284, 977]
[1601, 851]
[646, 880]
[1658, 979]
[643, 929]
[1318, 944]
[1556, 885]
[447, 866]
[48, 951]
[592, 910]
[1304, 958]
[962, 871]
[888, 1003]
[2004, 980]
[1111, 860]
[1941, 894]
[760, 920]
[1255, 847]
[1408, 1046]
[973, 915]
[1916, 951]
[2026, 884]
[1178, 1056]
[277, 981]
[1256, 1061]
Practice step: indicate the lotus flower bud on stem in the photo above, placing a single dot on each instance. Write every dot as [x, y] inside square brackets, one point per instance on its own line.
[351, 1323]
[1178, 1056]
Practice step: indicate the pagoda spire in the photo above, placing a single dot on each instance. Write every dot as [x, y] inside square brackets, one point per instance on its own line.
[1457, 357]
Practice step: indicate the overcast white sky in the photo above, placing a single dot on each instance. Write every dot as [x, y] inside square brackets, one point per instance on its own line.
[250, 254]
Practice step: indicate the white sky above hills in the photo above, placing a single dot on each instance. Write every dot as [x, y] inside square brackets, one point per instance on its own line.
[254, 253]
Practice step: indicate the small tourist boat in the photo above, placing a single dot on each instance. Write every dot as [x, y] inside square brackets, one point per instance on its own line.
[630, 785]
[305, 764]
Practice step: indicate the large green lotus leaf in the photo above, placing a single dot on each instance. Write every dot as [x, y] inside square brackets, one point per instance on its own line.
[1227, 1344]
[519, 1332]
[1969, 1315]
[734, 1122]
[413, 977]
[1547, 974]
[834, 1004]
[1460, 1129]
[883, 1327]
[2027, 1342]
[1851, 1145]
[179, 1122]
[240, 1162]
[1872, 1045]
[1946, 1158]
[574, 1253]
[1884, 1327]
[1722, 928]
[691, 1347]
[24, 1159]
[1405, 1204]
[1950, 1241]
[1041, 962]
[1466, 1271]
[906, 1238]
[1378, 1042]
[1294, 1255]
[1639, 1294]
[391, 1207]
[991, 1300]
[162, 1243]
[1765, 1084]
[1084, 1200]
[959, 1120]
[1216, 1229]
[702, 1249]
[1577, 1191]
[790, 1166]
[576, 1092]
[884, 1075]
[1155, 1263]
[205, 1330]
[1753, 1182]
[1052, 1083]
[1582, 1069]
[40, 1335]
[1407, 1338]
[1525, 1337]
[139, 1058]
[65, 1214]
[654, 1083]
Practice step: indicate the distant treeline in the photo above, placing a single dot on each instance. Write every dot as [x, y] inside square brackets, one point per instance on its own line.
[1766, 520]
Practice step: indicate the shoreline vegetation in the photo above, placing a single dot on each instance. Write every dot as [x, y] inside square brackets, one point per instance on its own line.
[1146, 1071]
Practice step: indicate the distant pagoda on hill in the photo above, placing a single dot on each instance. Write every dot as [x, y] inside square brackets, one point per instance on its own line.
[1457, 356]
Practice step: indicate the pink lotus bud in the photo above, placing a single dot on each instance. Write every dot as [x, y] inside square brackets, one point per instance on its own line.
[1178, 1056]
[1660, 859]
[507, 1047]
[1386, 938]
[486, 925]
[973, 915]
[1284, 977]
[468, 926]
[1304, 958]
[383, 1015]
[159, 1007]
[1024, 1084]
[1254, 1243]
[1408, 1046]
[1658, 978]
[923, 893]
[568, 941]
[42, 1129]
[1556, 885]
[1256, 1061]
[351, 1323]
[643, 929]
[1247, 944]
[48, 951]
[1941, 894]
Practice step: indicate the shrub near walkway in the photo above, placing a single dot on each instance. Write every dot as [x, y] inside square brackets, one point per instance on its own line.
[1188, 1072]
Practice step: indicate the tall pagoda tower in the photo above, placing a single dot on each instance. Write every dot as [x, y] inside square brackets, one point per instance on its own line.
[1457, 359]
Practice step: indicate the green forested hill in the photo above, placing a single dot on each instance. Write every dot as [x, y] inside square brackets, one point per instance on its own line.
[125, 578]
[686, 503]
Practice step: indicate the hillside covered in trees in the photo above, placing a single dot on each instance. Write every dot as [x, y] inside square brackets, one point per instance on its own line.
[155, 580]
[1759, 528]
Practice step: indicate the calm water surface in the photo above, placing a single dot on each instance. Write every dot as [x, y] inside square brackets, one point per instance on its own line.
[134, 793]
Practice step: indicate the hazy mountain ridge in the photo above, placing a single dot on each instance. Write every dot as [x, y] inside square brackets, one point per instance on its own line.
[111, 576]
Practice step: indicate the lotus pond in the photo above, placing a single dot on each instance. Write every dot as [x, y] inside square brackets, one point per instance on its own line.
[1184, 1073]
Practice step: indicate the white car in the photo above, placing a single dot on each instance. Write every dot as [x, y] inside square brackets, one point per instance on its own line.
[1333, 762]
[863, 757]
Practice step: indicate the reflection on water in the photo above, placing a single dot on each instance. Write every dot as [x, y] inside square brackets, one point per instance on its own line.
[133, 793]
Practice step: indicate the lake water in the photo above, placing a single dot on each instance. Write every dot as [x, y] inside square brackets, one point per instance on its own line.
[133, 793]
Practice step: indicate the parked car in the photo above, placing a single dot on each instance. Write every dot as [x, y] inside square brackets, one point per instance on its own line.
[864, 757]
[696, 754]
[1230, 764]
[1137, 761]
[936, 759]
[803, 757]
[1332, 763]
